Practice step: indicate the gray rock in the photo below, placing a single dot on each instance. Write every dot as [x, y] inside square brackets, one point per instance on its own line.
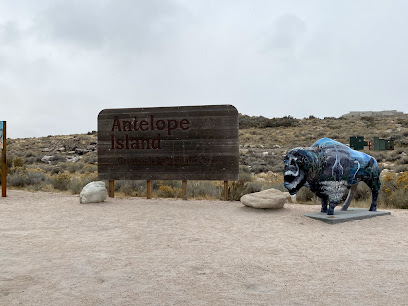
[94, 192]
[270, 198]
[91, 148]
[47, 159]
[81, 151]
[73, 159]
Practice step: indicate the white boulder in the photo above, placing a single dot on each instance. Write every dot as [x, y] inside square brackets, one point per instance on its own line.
[270, 198]
[94, 192]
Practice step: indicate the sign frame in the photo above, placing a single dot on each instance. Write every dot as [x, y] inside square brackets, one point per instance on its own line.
[169, 143]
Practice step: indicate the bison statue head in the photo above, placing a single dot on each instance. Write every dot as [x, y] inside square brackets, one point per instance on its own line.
[294, 174]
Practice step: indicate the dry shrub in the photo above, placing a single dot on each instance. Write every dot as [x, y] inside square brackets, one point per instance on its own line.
[246, 122]
[130, 187]
[203, 190]
[401, 168]
[237, 189]
[78, 182]
[37, 176]
[251, 187]
[363, 192]
[396, 199]
[74, 167]
[127, 190]
[404, 160]
[18, 162]
[278, 186]
[304, 195]
[75, 185]
[394, 190]
[169, 192]
[88, 168]
[60, 181]
[18, 178]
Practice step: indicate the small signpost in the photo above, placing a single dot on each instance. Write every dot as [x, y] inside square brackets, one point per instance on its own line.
[168, 143]
[3, 147]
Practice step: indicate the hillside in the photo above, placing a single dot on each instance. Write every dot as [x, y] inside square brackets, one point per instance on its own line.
[275, 136]
[69, 162]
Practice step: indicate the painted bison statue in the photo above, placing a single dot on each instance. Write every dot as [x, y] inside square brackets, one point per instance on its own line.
[328, 168]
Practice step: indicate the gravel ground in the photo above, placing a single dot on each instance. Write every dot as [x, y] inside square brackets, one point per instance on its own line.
[55, 251]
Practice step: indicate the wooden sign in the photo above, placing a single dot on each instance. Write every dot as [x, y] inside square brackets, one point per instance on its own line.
[168, 143]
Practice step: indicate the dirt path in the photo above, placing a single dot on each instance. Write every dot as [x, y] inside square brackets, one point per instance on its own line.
[55, 251]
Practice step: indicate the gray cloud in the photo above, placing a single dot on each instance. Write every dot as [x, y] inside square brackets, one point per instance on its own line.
[123, 25]
[62, 61]
[9, 32]
[71, 22]
[287, 32]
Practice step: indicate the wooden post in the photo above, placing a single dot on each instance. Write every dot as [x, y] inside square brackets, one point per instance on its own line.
[4, 163]
[149, 189]
[184, 189]
[225, 190]
[111, 189]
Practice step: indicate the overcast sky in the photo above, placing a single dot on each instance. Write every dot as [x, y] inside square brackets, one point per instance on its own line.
[63, 61]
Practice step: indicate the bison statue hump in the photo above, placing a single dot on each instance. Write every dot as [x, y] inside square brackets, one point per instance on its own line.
[328, 168]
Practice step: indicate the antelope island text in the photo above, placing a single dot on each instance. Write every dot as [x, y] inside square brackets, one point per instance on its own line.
[136, 141]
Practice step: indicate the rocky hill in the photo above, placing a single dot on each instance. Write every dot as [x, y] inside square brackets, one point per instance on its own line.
[69, 162]
[263, 142]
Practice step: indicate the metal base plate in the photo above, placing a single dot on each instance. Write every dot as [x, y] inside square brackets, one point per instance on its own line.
[348, 215]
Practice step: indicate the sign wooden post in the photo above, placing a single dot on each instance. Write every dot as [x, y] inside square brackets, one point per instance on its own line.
[111, 188]
[184, 189]
[3, 149]
[225, 190]
[169, 143]
[149, 189]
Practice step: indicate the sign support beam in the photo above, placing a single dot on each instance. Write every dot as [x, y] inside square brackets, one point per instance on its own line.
[184, 189]
[111, 188]
[149, 189]
[225, 190]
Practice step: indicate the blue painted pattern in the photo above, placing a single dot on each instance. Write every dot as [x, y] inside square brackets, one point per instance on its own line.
[328, 168]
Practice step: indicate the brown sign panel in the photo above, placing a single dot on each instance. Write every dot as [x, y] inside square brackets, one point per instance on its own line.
[166, 143]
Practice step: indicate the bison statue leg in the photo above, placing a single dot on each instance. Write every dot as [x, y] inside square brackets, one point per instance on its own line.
[374, 195]
[324, 205]
[328, 206]
[374, 184]
[372, 179]
[350, 196]
[332, 206]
